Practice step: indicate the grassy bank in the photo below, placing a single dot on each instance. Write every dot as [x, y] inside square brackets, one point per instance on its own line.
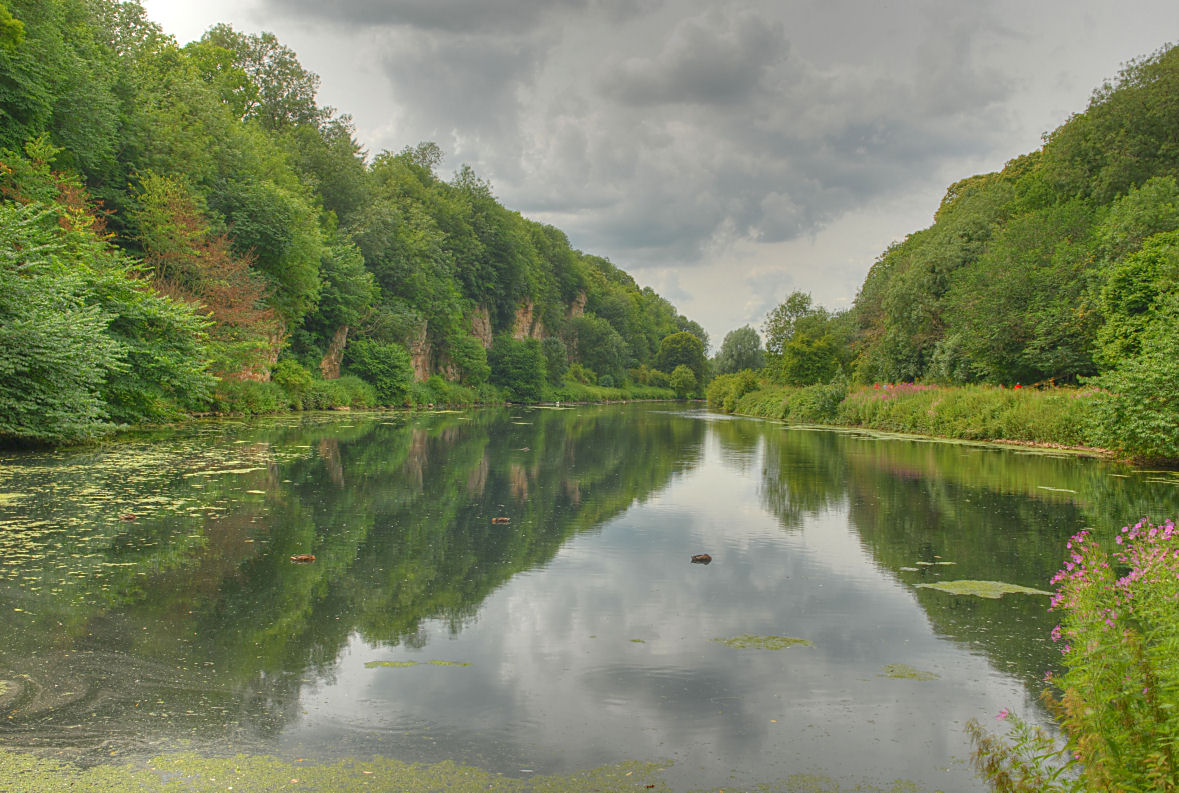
[1054, 416]
[247, 397]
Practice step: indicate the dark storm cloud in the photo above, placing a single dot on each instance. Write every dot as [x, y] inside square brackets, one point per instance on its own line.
[712, 60]
[457, 16]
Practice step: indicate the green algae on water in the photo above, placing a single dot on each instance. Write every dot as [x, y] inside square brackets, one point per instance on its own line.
[906, 672]
[751, 641]
[404, 664]
[189, 772]
[983, 589]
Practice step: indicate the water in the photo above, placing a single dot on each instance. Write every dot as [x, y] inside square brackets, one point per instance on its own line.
[574, 635]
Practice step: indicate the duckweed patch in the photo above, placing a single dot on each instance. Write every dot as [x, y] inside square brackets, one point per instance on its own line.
[751, 641]
[192, 773]
[983, 589]
[906, 672]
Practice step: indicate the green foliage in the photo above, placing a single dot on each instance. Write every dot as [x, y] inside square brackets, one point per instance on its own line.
[387, 367]
[292, 377]
[250, 397]
[145, 359]
[805, 344]
[1042, 271]
[684, 349]
[598, 346]
[1138, 411]
[1118, 634]
[741, 349]
[345, 391]
[519, 368]
[55, 353]
[682, 380]
[470, 356]
[556, 357]
[726, 390]
[231, 191]
[1135, 289]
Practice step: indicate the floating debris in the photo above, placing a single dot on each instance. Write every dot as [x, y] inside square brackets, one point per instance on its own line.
[701, 558]
[751, 641]
[501, 520]
[906, 672]
[1055, 489]
[303, 558]
[984, 589]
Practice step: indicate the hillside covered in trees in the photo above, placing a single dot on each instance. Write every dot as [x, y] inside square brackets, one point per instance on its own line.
[1061, 266]
[186, 229]
[1060, 269]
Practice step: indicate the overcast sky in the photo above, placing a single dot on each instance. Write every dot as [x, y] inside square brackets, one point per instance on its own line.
[724, 154]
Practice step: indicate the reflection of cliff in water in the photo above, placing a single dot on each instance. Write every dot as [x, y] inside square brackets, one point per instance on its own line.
[217, 630]
[939, 511]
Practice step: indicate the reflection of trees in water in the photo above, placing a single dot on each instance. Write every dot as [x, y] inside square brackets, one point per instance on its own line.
[397, 511]
[995, 514]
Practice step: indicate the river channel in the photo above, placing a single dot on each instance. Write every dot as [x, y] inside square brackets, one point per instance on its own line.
[512, 590]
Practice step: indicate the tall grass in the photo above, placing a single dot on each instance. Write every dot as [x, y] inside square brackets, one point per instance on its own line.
[1062, 416]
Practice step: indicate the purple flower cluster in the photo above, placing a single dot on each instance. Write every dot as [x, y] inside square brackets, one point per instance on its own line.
[1087, 589]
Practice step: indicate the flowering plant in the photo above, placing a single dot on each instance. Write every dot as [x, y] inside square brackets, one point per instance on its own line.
[1119, 635]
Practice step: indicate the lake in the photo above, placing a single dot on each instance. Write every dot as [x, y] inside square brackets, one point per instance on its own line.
[512, 589]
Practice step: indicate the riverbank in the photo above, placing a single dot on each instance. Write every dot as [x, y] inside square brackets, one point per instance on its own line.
[1061, 418]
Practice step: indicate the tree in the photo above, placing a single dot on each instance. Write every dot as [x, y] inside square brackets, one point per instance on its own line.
[805, 344]
[595, 344]
[682, 348]
[283, 92]
[518, 367]
[741, 349]
[683, 380]
[386, 366]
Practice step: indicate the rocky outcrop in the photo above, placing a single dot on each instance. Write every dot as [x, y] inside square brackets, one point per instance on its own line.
[577, 307]
[481, 325]
[329, 367]
[527, 324]
[421, 353]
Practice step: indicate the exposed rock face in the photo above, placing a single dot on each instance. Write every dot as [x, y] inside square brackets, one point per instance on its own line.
[481, 325]
[329, 367]
[527, 324]
[577, 307]
[421, 353]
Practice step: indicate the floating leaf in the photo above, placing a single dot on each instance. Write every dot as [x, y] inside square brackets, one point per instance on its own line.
[752, 641]
[985, 589]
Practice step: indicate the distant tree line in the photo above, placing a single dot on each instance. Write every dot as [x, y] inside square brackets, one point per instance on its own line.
[188, 230]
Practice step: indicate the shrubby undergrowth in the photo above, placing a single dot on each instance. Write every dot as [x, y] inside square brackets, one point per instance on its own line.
[1063, 416]
[1118, 699]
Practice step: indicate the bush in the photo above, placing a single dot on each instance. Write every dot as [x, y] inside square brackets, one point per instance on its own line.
[1138, 414]
[683, 380]
[294, 378]
[519, 368]
[1119, 709]
[249, 396]
[726, 390]
[386, 366]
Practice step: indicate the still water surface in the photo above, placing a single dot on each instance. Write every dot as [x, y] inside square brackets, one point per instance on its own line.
[574, 635]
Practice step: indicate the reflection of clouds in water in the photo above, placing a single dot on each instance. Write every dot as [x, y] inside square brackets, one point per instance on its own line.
[557, 682]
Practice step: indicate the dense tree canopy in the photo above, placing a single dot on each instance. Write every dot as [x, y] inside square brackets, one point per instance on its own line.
[232, 224]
